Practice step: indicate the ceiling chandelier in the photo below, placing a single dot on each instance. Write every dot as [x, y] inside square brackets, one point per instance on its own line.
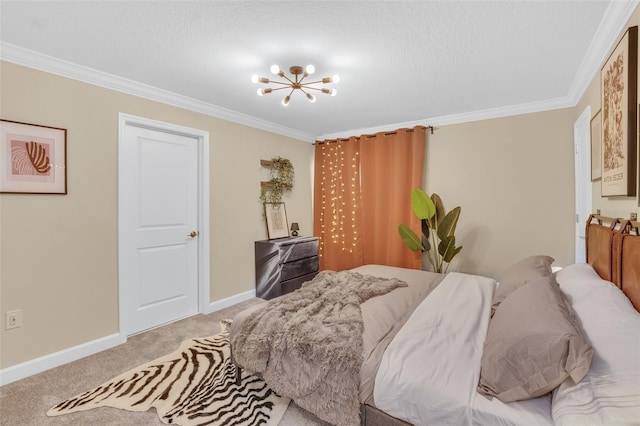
[296, 82]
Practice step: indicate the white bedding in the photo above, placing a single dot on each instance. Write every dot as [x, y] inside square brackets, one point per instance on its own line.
[430, 370]
[610, 393]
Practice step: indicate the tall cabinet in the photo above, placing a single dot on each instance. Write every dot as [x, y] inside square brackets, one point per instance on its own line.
[283, 264]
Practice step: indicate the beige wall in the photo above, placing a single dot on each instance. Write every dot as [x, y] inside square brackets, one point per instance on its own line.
[59, 252]
[609, 206]
[513, 178]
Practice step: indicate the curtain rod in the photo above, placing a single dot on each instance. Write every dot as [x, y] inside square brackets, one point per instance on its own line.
[369, 136]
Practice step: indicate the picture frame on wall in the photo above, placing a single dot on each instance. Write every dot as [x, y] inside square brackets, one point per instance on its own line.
[33, 158]
[618, 89]
[277, 225]
[596, 147]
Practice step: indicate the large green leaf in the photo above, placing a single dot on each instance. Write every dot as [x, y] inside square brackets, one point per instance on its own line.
[451, 254]
[447, 248]
[425, 228]
[422, 205]
[445, 245]
[448, 225]
[410, 238]
[437, 202]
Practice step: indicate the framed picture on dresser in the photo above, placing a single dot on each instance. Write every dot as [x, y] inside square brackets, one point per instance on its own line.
[276, 216]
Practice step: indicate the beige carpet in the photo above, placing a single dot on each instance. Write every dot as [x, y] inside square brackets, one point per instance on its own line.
[26, 402]
[193, 386]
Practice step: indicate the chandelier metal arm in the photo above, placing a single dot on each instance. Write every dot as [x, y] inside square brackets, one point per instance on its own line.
[287, 78]
[304, 86]
[278, 88]
[316, 82]
[279, 82]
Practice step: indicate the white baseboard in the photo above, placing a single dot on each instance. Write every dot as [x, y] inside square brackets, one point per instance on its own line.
[56, 359]
[229, 301]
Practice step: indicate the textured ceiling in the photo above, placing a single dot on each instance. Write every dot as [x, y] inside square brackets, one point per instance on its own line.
[399, 61]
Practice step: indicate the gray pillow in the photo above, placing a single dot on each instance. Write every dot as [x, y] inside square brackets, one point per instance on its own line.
[521, 273]
[533, 344]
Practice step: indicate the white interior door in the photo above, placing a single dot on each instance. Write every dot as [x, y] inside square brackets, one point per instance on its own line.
[158, 227]
[582, 145]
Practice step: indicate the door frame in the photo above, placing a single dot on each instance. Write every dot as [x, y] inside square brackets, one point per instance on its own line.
[202, 138]
[583, 187]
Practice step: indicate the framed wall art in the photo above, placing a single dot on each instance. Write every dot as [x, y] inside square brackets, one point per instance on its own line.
[618, 86]
[596, 147]
[276, 215]
[33, 158]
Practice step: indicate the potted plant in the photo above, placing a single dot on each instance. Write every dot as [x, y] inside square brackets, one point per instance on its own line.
[438, 228]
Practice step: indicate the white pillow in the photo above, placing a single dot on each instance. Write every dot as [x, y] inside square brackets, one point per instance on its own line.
[610, 393]
[578, 280]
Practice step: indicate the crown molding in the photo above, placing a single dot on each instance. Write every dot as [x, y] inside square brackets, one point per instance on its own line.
[614, 21]
[35, 60]
[466, 117]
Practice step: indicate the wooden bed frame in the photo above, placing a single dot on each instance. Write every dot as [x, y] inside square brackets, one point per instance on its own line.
[614, 252]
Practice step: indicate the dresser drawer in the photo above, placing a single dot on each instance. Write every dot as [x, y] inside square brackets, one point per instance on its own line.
[293, 252]
[295, 283]
[299, 267]
[283, 264]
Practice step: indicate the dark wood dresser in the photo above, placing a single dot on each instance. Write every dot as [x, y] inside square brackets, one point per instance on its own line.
[283, 264]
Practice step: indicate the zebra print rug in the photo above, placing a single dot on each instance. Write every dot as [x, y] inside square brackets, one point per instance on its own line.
[195, 385]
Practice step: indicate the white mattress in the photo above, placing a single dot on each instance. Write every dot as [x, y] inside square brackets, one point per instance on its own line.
[430, 370]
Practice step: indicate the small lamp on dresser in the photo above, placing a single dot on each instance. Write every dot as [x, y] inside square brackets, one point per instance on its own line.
[294, 229]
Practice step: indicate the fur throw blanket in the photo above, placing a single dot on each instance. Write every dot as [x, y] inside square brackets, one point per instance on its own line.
[308, 345]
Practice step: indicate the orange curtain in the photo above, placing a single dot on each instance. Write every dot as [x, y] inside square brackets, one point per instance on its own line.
[392, 165]
[337, 203]
[362, 193]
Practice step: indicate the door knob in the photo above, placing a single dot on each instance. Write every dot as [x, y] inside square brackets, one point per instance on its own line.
[193, 234]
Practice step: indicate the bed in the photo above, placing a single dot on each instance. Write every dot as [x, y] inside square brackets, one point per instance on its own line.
[570, 340]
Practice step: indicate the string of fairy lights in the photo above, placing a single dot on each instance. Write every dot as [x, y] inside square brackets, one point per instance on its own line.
[334, 219]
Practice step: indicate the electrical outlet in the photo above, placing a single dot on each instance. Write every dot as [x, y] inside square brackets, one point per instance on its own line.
[13, 319]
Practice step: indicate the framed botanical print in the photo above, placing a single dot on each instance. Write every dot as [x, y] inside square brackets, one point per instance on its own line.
[33, 158]
[277, 225]
[618, 86]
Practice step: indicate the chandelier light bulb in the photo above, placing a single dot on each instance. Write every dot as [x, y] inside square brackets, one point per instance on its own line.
[255, 78]
[286, 100]
[261, 92]
[275, 69]
[310, 69]
[334, 92]
[335, 79]
[311, 97]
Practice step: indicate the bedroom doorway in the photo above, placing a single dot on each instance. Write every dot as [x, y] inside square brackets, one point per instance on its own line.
[162, 223]
[582, 151]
